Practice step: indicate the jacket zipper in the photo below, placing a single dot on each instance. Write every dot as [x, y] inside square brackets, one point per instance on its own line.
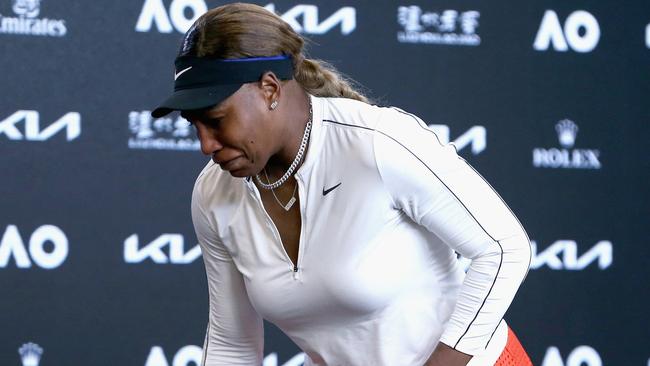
[294, 267]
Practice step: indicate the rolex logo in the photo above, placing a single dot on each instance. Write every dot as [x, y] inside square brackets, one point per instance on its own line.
[30, 354]
[566, 132]
[567, 156]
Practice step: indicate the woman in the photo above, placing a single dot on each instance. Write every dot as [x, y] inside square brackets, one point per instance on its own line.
[334, 219]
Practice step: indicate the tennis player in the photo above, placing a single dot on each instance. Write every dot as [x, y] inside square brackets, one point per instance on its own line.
[336, 220]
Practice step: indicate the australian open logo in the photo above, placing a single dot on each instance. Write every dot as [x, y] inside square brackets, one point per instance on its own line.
[26, 21]
[30, 354]
[567, 156]
[166, 133]
[449, 27]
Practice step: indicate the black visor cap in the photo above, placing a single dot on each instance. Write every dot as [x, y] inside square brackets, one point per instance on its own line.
[201, 82]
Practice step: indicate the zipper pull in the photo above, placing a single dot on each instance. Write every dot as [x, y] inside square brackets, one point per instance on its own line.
[295, 272]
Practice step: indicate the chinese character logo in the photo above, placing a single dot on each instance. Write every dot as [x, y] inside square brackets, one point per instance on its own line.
[449, 27]
[409, 18]
[166, 133]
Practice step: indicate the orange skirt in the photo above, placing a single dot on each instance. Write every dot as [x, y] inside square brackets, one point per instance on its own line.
[513, 354]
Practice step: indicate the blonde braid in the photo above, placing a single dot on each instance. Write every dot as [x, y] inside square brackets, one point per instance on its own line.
[241, 30]
[321, 79]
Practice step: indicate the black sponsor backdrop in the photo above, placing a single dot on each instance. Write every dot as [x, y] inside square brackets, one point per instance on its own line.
[96, 309]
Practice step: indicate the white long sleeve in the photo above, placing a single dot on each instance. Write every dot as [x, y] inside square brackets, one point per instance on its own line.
[442, 192]
[384, 206]
[234, 335]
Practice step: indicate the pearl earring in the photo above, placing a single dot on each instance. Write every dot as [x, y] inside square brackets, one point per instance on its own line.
[273, 105]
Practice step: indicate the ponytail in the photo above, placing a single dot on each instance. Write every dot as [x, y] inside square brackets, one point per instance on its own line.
[322, 80]
[241, 30]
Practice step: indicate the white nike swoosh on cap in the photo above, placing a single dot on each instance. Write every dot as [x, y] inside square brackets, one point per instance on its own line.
[176, 75]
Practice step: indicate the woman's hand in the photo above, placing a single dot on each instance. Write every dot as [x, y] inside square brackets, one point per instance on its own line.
[444, 355]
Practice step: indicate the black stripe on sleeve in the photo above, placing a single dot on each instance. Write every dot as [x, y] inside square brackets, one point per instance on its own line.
[422, 125]
[452, 192]
[484, 300]
[207, 344]
[426, 128]
[349, 125]
[492, 335]
[443, 183]
[477, 222]
[530, 254]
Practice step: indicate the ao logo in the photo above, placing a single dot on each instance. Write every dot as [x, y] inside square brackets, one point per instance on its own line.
[474, 137]
[581, 356]
[184, 357]
[154, 250]
[70, 121]
[272, 360]
[600, 252]
[193, 354]
[550, 31]
[154, 12]
[12, 245]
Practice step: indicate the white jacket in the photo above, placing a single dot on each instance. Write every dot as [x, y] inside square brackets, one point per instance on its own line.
[377, 281]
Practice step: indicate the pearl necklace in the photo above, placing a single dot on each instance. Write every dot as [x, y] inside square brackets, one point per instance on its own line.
[296, 161]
